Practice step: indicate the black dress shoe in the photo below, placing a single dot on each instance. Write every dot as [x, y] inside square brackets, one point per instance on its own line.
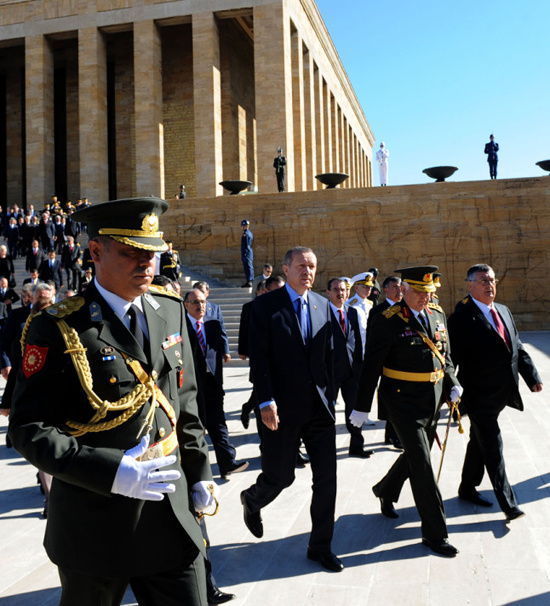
[253, 520]
[514, 514]
[235, 468]
[360, 453]
[396, 444]
[301, 459]
[219, 597]
[327, 560]
[440, 546]
[475, 498]
[387, 508]
[246, 285]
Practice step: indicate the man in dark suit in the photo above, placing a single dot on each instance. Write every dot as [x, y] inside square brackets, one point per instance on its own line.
[118, 428]
[35, 256]
[291, 360]
[207, 344]
[8, 296]
[408, 351]
[348, 355]
[70, 258]
[392, 290]
[490, 356]
[213, 310]
[46, 232]
[50, 269]
[491, 150]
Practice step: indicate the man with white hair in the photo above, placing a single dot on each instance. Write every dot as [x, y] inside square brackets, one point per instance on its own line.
[382, 156]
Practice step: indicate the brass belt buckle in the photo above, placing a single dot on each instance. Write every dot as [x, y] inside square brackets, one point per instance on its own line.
[434, 377]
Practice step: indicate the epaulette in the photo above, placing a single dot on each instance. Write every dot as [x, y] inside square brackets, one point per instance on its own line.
[369, 302]
[391, 311]
[64, 308]
[155, 289]
[465, 300]
[436, 307]
[352, 301]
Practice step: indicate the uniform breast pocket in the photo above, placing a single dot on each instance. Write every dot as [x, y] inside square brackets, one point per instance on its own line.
[173, 367]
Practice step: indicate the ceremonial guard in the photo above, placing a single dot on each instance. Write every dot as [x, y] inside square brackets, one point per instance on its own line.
[247, 256]
[170, 263]
[105, 401]
[363, 284]
[408, 351]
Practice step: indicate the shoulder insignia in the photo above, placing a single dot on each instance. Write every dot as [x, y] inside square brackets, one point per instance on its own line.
[95, 312]
[465, 300]
[436, 307]
[154, 289]
[64, 308]
[391, 311]
[369, 303]
[352, 301]
[78, 244]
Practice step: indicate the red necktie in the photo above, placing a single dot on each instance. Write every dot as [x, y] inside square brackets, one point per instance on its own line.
[500, 326]
[200, 337]
[342, 320]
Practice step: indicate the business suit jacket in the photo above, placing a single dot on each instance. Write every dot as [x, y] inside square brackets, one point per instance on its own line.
[213, 310]
[91, 530]
[488, 372]
[243, 348]
[279, 361]
[10, 336]
[33, 260]
[69, 259]
[348, 350]
[212, 361]
[45, 272]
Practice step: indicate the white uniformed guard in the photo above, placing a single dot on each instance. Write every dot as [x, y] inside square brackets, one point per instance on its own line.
[382, 156]
[363, 283]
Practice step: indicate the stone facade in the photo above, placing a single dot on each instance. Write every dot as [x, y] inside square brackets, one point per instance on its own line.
[505, 223]
[135, 97]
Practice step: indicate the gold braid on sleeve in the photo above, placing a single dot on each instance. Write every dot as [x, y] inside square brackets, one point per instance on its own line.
[128, 405]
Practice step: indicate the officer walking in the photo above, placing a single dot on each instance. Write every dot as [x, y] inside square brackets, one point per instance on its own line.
[409, 349]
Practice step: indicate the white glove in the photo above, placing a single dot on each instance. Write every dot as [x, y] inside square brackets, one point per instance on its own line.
[357, 418]
[203, 498]
[456, 393]
[139, 480]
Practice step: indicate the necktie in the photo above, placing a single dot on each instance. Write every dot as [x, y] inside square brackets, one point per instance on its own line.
[423, 320]
[342, 320]
[135, 328]
[500, 326]
[200, 337]
[301, 311]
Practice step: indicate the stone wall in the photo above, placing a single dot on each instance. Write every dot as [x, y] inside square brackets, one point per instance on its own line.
[505, 223]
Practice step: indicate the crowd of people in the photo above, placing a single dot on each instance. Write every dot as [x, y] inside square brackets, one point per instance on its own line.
[115, 390]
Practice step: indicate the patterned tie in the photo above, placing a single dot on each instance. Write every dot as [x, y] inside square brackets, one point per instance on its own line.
[200, 337]
[342, 320]
[500, 327]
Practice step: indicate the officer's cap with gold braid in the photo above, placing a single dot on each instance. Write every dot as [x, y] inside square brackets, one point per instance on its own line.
[363, 279]
[132, 221]
[420, 278]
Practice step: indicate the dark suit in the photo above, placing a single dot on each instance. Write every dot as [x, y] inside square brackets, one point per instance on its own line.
[45, 272]
[489, 372]
[299, 379]
[9, 295]
[348, 355]
[90, 530]
[69, 262]
[209, 372]
[46, 233]
[413, 407]
[34, 259]
[213, 310]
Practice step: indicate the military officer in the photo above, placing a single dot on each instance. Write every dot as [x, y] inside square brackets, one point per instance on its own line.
[363, 284]
[408, 348]
[105, 401]
[170, 263]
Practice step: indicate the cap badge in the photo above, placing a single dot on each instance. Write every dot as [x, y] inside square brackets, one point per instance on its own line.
[150, 223]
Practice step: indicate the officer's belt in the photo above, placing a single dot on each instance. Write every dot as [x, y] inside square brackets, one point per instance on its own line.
[162, 448]
[416, 377]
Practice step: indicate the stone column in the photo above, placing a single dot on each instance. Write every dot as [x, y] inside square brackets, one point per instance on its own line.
[207, 103]
[40, 173]
[319, 124]
[92, 110]
[310, 122]
[149, 134]
[336, 135]
[15, 185]
[298, 111]
[329, 165]
[273, 78]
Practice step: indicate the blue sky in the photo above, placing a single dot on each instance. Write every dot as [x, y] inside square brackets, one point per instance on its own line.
[436, 78]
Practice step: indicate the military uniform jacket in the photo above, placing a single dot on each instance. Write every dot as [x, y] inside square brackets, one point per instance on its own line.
[89, 529]
[394, 343]
[486, 369]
